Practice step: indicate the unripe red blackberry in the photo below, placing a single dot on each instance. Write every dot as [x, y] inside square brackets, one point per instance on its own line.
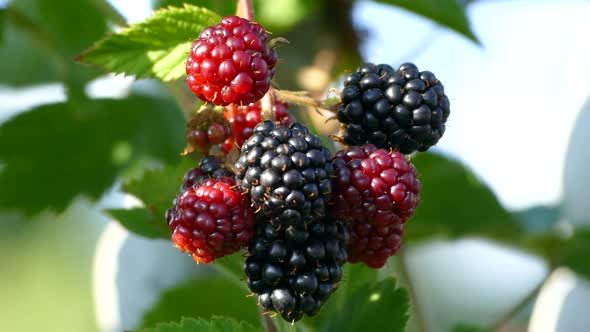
[243, 119]
[293, 269]
[206, 128]
[286, 172]
[375, 192]
[231, 62]
[210, 219]
[404, 109]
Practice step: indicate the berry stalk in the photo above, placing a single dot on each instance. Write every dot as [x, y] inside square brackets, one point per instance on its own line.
[245, 9]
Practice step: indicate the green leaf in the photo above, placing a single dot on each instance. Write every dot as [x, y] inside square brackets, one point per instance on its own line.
[539, 219]
[571, 252]
[42, 37]
[142, 221]
[156, 48]
[448, 13]
[56, 152]
[204, 297]
[455, 202]
[216, 324]
[355, 277]
[157, 189]
[282, 15]
[469, 328]
[373, 307]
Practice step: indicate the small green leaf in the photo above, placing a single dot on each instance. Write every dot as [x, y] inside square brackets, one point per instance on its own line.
[156, 189]
[448, 13]
[142, 221]
[56, 152]
[218, 297]
[216, 324]
[455, 202]
[156, 48]
[373, 307]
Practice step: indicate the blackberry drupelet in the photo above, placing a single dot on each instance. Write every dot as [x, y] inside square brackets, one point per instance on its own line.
[293, 269]
[405, 109]
[209, 167]
[286, 172]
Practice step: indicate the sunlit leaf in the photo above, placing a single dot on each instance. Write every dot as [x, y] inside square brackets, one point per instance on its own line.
[155, 48]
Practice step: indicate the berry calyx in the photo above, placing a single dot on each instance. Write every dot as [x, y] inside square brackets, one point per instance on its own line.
[231, 62]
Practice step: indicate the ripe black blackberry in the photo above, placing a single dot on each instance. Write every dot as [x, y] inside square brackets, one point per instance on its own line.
[293, 269]
[287, 173]
[405, 109]
[209, 167]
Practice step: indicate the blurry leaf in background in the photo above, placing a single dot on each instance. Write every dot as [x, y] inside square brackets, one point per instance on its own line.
[469, 328]
[156, 189]
[155, 48]
[203, 298]
[447, 13]
[42, 37]
[56, 152]
[373, 307]
[281, 15]
[571, 252]
[455, 202]
[216, 324]
[2, 13]
[223, 8]
[539, 219]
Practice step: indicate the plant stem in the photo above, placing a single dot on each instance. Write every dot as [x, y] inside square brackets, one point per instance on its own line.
[183, 99]
[519, 305]
[245, 9]
[403, 268]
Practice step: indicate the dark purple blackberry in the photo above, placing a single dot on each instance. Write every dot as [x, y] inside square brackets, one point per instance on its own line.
[287, 173]
[294, 269]
[405, 109]
[209, 167]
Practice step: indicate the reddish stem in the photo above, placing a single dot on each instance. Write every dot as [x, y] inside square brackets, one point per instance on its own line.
[245, 9]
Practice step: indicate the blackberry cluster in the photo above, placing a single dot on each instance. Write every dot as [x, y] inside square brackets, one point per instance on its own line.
[286, 171]
[404, 109]
[295, 269]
